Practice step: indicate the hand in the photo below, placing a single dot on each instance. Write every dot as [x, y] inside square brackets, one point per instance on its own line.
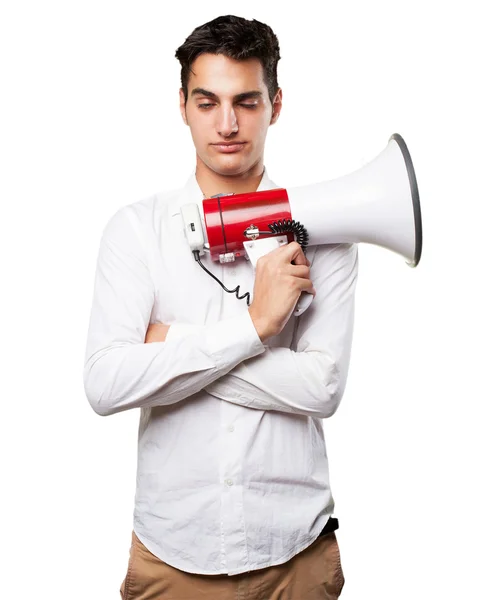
[277, 288]
[156, 332]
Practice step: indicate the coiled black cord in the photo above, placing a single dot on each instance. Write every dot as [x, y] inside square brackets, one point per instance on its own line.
[236, 290]
[287, 225]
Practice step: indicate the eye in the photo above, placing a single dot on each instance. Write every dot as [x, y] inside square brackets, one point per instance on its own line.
[205, 105]
[248, 105]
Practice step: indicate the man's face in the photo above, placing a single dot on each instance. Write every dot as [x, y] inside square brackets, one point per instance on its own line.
[228, 102]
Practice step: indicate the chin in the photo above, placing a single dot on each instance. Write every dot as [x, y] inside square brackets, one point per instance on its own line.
[229, 170]
[230, 167]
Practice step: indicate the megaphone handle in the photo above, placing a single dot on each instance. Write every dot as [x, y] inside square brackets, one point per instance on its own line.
[303, 303]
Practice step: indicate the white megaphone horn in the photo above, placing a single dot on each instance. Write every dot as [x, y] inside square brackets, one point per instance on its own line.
[377, 204]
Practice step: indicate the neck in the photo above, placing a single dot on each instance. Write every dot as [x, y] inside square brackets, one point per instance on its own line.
[212, 183]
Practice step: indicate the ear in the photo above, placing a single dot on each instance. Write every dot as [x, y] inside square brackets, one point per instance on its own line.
[183, 107]
[277, 105]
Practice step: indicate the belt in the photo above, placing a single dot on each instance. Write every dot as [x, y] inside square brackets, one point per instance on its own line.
[331, 525]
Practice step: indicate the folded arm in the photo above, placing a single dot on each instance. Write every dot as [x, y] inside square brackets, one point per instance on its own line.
[121, 371]
[309, 378]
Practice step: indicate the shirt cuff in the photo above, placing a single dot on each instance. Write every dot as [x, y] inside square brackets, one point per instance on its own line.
[233, 340]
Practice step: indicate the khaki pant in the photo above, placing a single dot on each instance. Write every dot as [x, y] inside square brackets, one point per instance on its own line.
[313, 574]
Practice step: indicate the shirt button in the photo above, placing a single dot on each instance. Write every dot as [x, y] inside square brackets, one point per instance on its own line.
[231, 428]
[229, 481]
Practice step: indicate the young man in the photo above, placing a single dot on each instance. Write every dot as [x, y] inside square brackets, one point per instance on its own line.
[232, 497]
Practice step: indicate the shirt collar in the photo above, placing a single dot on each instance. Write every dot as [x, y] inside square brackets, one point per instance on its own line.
[191, 192]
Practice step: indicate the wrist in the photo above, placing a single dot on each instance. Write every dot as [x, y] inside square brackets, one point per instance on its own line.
[260, 325]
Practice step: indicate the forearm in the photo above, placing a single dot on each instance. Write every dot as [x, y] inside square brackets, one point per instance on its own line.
[306, 383]
[309, 383]
[124, 376]
[310, 377]
[120, 371]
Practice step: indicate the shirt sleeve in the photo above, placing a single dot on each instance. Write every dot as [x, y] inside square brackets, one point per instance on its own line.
[309, 378]
[121, 371]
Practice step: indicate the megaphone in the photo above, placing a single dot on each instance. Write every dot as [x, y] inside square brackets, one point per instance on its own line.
[376, 204]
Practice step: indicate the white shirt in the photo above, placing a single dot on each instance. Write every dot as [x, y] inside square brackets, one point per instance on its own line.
[232, 471]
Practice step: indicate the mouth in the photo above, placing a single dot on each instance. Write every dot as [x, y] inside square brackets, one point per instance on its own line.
[229, 147]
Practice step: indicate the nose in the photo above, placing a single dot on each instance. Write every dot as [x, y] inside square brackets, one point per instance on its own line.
[227, 123]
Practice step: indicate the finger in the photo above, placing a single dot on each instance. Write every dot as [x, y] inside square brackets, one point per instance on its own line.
[300, 259]
[294, 253]
[306, 285]
[302, 284]
[298, 271]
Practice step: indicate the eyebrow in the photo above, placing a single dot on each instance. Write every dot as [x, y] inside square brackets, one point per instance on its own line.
[243, 96]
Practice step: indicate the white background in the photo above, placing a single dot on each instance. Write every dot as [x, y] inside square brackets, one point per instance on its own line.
[89, 123]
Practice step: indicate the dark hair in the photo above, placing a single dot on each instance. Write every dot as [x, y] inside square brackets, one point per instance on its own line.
[235, 38]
